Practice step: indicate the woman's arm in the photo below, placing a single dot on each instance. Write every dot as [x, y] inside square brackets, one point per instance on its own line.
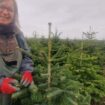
[27, 63]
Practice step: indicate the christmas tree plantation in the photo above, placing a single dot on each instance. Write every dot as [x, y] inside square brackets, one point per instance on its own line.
[65, 74]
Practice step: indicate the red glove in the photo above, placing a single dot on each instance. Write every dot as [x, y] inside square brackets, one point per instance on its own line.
[26, 78]
[6, 86]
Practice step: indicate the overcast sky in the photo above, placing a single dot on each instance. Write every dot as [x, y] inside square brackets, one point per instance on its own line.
[71, 17]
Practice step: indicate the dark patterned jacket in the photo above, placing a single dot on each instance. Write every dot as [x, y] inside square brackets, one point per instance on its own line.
[26, 63]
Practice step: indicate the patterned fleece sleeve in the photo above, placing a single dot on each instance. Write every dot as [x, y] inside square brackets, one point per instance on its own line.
[27, 63]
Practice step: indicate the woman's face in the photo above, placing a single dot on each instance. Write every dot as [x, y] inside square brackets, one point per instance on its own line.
[6, 12]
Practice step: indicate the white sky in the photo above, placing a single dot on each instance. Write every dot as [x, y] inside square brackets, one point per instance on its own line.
[71, 17]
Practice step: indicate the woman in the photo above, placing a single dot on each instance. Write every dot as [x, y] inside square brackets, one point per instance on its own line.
[14, 56]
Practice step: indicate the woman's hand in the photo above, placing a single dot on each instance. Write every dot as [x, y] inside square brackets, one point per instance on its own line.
[7, 86]
[26, 78]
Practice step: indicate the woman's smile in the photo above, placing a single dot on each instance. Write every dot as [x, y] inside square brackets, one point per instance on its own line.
[6, 12]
